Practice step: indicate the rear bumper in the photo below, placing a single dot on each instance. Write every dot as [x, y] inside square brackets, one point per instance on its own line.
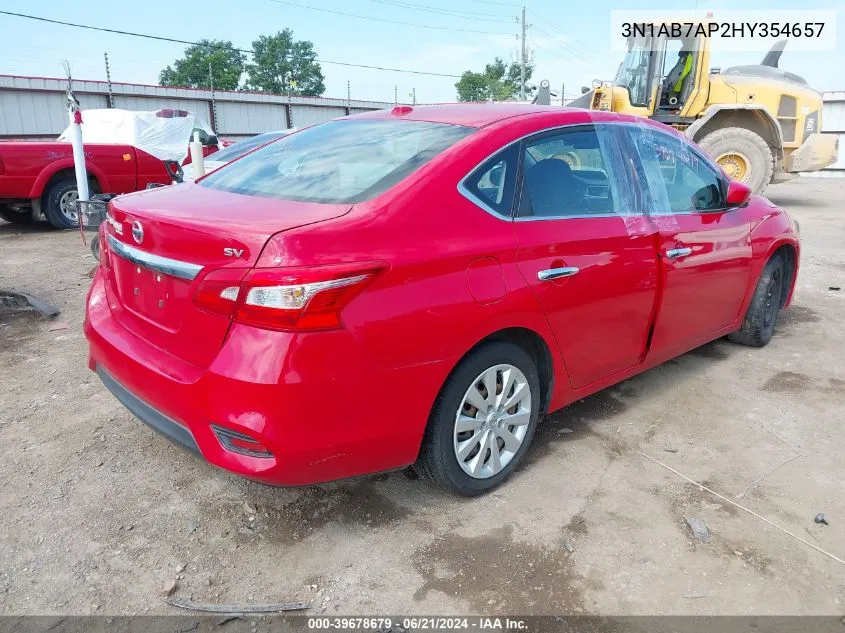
[156, 420]
[322, 409]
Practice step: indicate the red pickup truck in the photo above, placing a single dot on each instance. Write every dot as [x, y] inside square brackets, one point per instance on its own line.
[38, 177]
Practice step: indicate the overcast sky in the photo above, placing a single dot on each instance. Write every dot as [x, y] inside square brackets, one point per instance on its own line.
[569, 40]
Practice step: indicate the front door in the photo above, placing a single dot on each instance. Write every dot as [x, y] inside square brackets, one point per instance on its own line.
[589, 257]
[705, 248]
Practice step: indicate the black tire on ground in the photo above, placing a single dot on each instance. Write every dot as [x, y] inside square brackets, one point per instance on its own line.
[759, 323]
[95, 247]
[15, 217]
[437, 461]
[51, 203]
[747, 143]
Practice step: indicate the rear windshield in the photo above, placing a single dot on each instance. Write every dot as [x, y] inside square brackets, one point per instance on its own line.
[344, 161]
[242, 147]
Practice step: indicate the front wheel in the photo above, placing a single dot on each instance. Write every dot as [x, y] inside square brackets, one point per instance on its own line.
[59, 204]
[759, 323]
[483, 421]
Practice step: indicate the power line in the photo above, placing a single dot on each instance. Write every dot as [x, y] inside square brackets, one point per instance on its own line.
[374, 19]
[240, 50]
[501, 4]
[575, 40]
[481, 17]
[567, 47]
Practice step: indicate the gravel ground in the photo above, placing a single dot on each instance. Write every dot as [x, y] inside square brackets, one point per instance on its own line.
[99, 515]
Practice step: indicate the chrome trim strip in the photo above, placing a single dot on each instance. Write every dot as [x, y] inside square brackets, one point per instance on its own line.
[165, 265]
[536, 218]
[466, 193]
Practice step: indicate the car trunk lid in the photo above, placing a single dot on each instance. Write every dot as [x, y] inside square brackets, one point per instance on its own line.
[163, 242]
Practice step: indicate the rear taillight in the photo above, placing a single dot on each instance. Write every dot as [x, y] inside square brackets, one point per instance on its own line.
[1, 166]
[103, 245]
[285, 299]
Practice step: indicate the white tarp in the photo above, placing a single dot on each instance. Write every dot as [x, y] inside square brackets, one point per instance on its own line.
[165, 133]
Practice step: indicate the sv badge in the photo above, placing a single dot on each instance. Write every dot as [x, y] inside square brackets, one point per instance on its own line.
[233, 252]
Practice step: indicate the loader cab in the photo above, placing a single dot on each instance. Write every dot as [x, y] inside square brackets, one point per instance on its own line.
[665, 77]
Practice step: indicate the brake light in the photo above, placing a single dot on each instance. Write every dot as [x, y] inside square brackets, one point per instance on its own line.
[1, 166]
[103, 243]
[285, 299]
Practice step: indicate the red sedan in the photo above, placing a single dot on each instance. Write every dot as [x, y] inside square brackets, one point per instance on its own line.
[421, 285]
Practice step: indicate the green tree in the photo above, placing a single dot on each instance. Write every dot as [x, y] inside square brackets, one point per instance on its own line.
[284, 65]
[498, 82]
[227, 65]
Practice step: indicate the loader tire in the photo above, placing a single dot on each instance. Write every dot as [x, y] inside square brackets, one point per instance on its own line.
[743, 154]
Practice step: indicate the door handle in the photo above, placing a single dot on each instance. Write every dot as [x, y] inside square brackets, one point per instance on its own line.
[674, 253]
[557, 273]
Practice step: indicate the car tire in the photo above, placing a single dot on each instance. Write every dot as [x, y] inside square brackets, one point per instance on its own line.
[758, 326]
[439, 459]
[16, 217]
[55, 203]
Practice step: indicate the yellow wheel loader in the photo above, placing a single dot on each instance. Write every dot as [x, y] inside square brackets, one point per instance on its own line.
[760, 123]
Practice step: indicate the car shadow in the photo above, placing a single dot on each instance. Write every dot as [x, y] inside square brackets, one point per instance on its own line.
[9, 228]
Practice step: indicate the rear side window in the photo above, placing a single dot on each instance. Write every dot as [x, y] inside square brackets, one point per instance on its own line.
[344, 161]
[572, 173]
[493, 183]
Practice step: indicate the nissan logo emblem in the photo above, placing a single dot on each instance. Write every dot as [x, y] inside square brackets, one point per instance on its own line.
[137, 232]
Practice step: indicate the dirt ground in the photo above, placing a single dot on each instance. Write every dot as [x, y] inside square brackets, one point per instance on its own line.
[98, 513]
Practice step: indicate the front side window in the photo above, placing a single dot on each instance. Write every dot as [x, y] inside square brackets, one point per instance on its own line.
[343, 161]
[680, 179]
[570, 173]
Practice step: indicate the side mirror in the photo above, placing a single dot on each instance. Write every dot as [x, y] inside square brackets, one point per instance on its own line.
[585, 90]
[738, 193]
[210, 140]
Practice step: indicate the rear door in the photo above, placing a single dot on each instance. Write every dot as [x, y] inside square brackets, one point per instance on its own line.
[585, 249]
[705, 248]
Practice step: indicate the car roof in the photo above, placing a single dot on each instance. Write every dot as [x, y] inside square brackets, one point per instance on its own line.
[483, 114]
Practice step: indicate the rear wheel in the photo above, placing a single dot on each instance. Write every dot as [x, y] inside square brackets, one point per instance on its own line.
[59, 204]
[483, 421]
[759, 323]
[14, 216]
[744, 155]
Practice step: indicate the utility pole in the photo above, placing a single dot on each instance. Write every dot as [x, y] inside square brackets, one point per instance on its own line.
[213, 101]
[108, 80]
[522, 60]
[562, 94]
[348, 92]
[413, 96]
[395, 94]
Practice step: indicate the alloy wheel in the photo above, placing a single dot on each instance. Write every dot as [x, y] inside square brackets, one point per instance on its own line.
[492, 421]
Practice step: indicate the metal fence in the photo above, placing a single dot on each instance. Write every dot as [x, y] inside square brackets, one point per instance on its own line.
[34, 107]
